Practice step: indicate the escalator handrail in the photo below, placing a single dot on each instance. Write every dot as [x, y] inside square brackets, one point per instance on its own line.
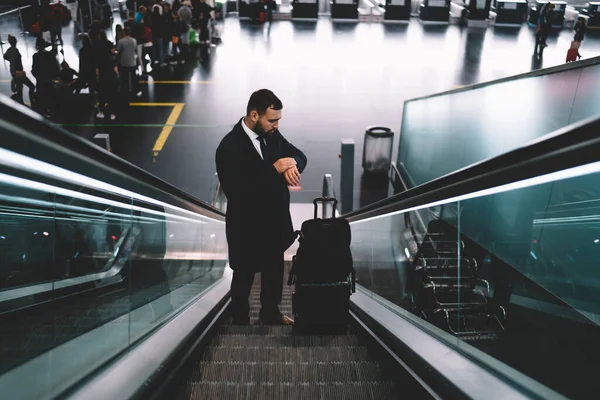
[538, 72]
[66, 145]
[574, 145]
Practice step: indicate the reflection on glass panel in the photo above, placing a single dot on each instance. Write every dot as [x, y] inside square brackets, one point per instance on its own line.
[179, 255]
[408, 259]
[87, 268]
[362, 253]
[511, 271]
[91, 235]
[26, 237]
[446, 132]
[539, 250]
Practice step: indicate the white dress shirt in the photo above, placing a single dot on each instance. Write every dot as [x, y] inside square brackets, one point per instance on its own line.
[253, 137]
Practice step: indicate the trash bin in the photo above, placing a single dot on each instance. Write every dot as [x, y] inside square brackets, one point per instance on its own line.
[377, 150]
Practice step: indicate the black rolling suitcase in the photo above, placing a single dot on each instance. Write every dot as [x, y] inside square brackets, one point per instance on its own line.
[323, 274]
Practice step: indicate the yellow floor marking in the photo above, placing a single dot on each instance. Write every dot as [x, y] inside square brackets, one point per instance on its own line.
[168, 127]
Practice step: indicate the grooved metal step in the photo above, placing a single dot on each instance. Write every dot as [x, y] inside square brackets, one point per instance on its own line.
[279, 341]
[254, 314]
[276, 372]
[287, 391]
[286, 354]
[280, 330]
[269, 362]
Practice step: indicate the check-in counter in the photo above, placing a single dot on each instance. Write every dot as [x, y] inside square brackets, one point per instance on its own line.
[344, 10]
[510, 12]
[434, 10]
[397, 11]
[305, 9]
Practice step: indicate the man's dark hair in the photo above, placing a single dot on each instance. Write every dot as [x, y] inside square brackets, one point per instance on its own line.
[12, 40]
[127, 31]
[261, 100]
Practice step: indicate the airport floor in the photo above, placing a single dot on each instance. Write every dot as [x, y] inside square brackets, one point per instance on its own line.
[335, 80]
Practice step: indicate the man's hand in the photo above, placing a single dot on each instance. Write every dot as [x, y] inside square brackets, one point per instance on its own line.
[292, 176]
[283, 164]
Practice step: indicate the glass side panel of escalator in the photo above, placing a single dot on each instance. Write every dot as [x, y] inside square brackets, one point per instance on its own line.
[449, 131]
[512, 272]
[86, 269]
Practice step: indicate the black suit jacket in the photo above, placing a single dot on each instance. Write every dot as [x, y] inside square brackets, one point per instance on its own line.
[258, 199]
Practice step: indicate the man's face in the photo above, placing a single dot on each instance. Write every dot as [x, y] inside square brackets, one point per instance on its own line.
[268, 123]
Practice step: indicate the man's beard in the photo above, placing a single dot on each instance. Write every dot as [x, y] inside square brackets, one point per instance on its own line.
[258, 129]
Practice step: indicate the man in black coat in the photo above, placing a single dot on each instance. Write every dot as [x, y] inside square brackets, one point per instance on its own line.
[255, 165]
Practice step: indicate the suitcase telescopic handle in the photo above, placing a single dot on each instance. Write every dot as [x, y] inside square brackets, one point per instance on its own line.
[324, 200]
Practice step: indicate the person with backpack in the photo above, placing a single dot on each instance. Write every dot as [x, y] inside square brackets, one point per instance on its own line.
[255, 165]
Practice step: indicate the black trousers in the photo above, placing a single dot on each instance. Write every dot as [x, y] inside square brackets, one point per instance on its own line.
[129, 79]
[271, 288]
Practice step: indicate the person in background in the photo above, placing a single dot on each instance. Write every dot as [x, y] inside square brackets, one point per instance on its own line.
[136, 32]
[19, 77]
[45, 70]
[146, 46]
[158, 31]
[270, 6]
[185, 16]
[204, 20]
[127, 56]
[166, 18]
[56, 30]
[185, 40]
[141, 14]
[119, 33]
[545, 22]
[94, 32]
[580, 30]
[67, 75]
[157, 6]
[174, 30]
[67, 86]
[87, 72]
[107, 78]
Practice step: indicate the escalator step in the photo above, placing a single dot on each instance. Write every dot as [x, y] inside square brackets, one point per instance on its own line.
[286, 354]
[285, 341]
[287, 391]
[255, 313]
[285, 296]
[276, 372]
[275, 330]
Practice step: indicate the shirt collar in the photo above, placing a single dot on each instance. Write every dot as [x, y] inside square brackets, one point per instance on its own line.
[251, 134]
